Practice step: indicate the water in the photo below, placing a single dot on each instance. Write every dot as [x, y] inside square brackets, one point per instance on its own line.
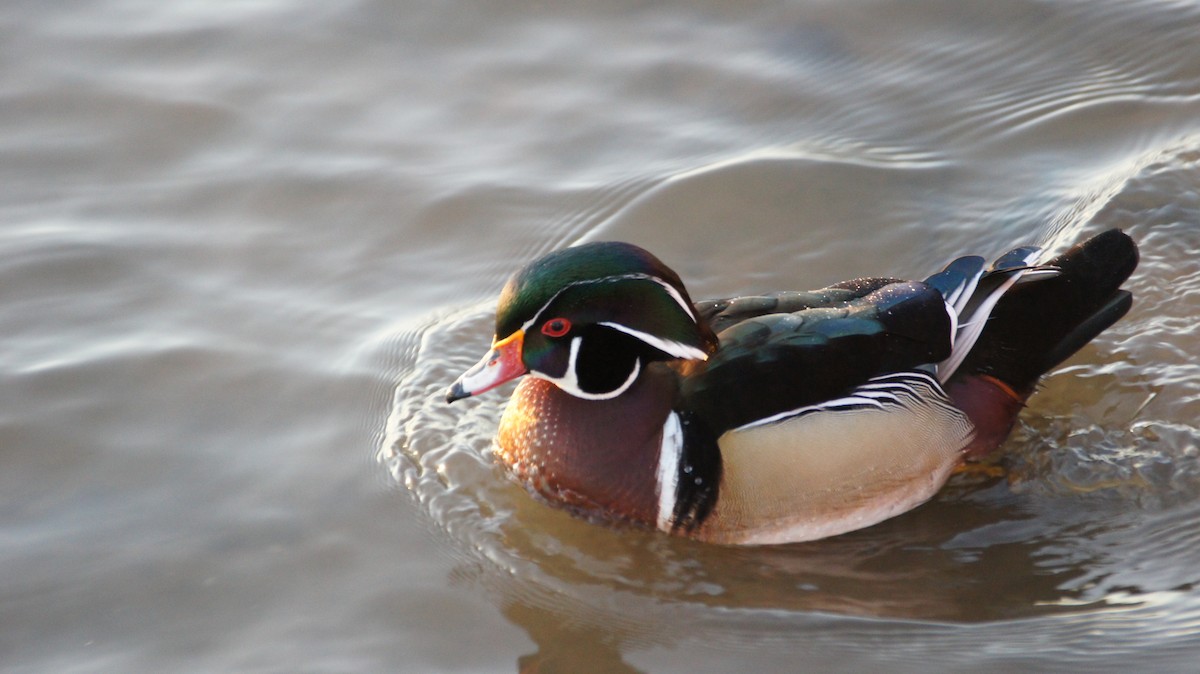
[245, 247]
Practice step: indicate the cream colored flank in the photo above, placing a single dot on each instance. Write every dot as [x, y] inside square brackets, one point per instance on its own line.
[823, 474]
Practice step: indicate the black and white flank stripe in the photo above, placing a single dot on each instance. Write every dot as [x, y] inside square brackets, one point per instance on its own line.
[897, 391]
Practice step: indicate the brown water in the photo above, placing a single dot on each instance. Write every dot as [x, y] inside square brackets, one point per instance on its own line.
[245, 246]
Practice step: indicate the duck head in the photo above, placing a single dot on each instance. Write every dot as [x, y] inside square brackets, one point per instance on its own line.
[588, 319]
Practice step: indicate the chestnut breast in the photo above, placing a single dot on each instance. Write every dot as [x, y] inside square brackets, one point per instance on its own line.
[599, 457]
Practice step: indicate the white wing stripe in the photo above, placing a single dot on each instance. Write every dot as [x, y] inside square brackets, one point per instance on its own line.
[970, 327]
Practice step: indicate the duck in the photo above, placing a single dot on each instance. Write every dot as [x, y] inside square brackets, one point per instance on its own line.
[780, 417]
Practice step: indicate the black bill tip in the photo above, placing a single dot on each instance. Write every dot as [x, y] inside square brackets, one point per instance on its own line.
[456, 392]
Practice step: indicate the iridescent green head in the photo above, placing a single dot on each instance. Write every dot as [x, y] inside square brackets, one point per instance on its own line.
[588, 318]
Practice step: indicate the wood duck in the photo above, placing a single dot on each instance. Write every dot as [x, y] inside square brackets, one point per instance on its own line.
[783, 417]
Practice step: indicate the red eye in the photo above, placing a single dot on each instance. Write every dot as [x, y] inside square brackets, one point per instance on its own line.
[556, 327]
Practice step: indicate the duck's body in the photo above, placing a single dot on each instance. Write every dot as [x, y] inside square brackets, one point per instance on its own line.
[783, 417]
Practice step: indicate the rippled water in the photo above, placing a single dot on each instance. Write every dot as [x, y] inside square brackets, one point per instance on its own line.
[245, 247]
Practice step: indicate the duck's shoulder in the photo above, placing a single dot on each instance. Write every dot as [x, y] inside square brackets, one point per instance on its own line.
[789, 350]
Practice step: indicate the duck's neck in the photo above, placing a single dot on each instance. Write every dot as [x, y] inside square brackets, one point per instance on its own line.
[599, 456]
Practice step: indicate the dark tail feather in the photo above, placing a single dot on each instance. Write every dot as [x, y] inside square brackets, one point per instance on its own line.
[1039, 324]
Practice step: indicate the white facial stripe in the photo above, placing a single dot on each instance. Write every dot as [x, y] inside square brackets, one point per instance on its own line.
[569, 382]
[610, 279]
[677, 349]
[668, 470]
[687, 308]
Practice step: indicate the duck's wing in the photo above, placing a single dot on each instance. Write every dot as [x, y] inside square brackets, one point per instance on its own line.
[724, 313]
[817, 349]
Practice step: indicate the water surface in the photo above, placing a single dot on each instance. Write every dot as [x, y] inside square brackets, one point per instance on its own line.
[245, 247]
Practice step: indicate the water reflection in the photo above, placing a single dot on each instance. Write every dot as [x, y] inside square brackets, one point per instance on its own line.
[988, 570]
[565, 645]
